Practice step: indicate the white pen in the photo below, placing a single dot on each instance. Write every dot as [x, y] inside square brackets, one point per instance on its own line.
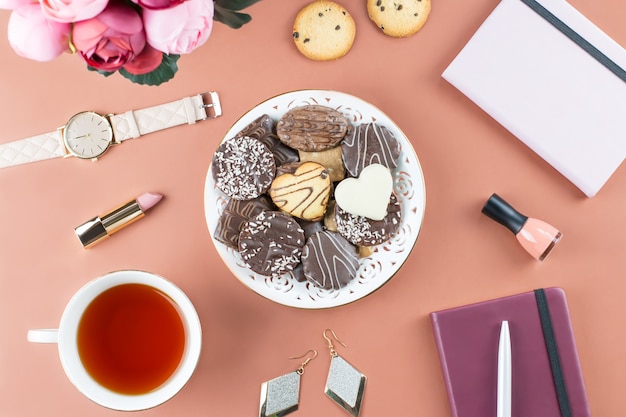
[504, 372]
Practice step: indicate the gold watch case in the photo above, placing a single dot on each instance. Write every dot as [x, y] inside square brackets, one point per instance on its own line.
[87, 135]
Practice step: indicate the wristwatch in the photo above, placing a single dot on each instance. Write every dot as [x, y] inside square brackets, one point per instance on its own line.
[87, 135]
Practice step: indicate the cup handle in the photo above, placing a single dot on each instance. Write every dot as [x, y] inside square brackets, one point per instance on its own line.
[43, 336]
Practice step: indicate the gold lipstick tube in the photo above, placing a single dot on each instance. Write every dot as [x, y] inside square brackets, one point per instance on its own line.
[95, 230]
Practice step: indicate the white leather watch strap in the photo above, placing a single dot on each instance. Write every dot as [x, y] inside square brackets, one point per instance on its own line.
[33, 149]
[131, 124]
[135, 123]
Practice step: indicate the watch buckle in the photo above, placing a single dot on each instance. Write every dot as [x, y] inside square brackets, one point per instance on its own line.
[213, 104]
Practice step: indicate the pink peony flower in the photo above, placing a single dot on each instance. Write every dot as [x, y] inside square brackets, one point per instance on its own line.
[13, 4]
[72, 10]
[179, 29]
[158, 4]
[147, 61]
[33, 36]
[112, 39]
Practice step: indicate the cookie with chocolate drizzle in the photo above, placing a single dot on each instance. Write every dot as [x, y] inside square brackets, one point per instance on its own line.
[329, 261]
[312, 128]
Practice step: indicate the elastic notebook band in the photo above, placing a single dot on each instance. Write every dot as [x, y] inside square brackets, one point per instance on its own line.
[553, 352]
[576, 38]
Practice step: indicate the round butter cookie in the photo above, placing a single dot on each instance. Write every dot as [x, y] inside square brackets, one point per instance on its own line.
[324, 30]
[399, 18]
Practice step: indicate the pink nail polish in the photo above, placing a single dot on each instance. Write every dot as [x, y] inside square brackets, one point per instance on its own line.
[536, 236]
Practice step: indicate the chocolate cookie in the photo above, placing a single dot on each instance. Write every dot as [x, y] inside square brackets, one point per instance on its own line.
[243, 168]
[329, 261]
[258, 128]
[298, 273]
[235, 214]
[362, 231]
[262, 128]
[271, 243]
[367, 144]
[310, 227]
[283, 154]
[289, 168]
[312, 128]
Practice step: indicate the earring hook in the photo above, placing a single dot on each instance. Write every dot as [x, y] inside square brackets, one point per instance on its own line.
[300, 370]
[333, 352]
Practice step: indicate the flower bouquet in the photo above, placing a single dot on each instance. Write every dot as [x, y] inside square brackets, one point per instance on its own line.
[140, 39]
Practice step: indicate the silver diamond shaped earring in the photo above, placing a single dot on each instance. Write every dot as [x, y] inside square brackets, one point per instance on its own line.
[345, 384]
[281, 396]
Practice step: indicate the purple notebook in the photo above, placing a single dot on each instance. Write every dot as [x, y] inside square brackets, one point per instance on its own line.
[547, 378]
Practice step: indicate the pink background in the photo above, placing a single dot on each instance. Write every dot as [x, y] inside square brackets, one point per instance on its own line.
[460, 256]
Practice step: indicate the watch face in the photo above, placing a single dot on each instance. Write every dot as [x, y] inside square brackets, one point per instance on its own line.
[87, 135]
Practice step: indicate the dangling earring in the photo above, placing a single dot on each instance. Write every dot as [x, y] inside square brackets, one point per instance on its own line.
[281, 395]
[345, 384]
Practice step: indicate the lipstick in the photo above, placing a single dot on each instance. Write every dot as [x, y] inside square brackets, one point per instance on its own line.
[100, 227]
[536, 236]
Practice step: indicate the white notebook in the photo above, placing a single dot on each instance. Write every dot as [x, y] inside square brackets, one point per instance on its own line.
[548, 91]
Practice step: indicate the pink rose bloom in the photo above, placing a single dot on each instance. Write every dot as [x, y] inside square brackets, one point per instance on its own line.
[13, 4]
[33, 36]
[147, 61]
[72, 10]
[110, 40]
[158, 4]
[179, 29]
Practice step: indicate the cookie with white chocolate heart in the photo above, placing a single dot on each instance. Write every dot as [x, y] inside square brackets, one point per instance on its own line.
[367, 212]
[361, 231]
[368, 195]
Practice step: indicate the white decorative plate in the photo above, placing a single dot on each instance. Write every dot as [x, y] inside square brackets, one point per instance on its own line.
[387, 258]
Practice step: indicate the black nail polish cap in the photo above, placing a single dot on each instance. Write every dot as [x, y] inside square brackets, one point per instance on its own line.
[502, 212]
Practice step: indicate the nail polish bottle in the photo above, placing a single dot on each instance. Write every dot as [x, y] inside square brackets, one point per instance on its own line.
[536, 236]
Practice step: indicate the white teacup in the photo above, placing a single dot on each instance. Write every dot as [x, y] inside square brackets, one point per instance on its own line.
[82, 310]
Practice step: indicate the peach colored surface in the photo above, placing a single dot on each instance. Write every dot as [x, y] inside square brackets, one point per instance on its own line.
[460, 257]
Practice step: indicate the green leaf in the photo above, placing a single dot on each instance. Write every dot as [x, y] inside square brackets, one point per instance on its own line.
[105, 73]
[231, 18]
[163, 73]
[235, 4]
